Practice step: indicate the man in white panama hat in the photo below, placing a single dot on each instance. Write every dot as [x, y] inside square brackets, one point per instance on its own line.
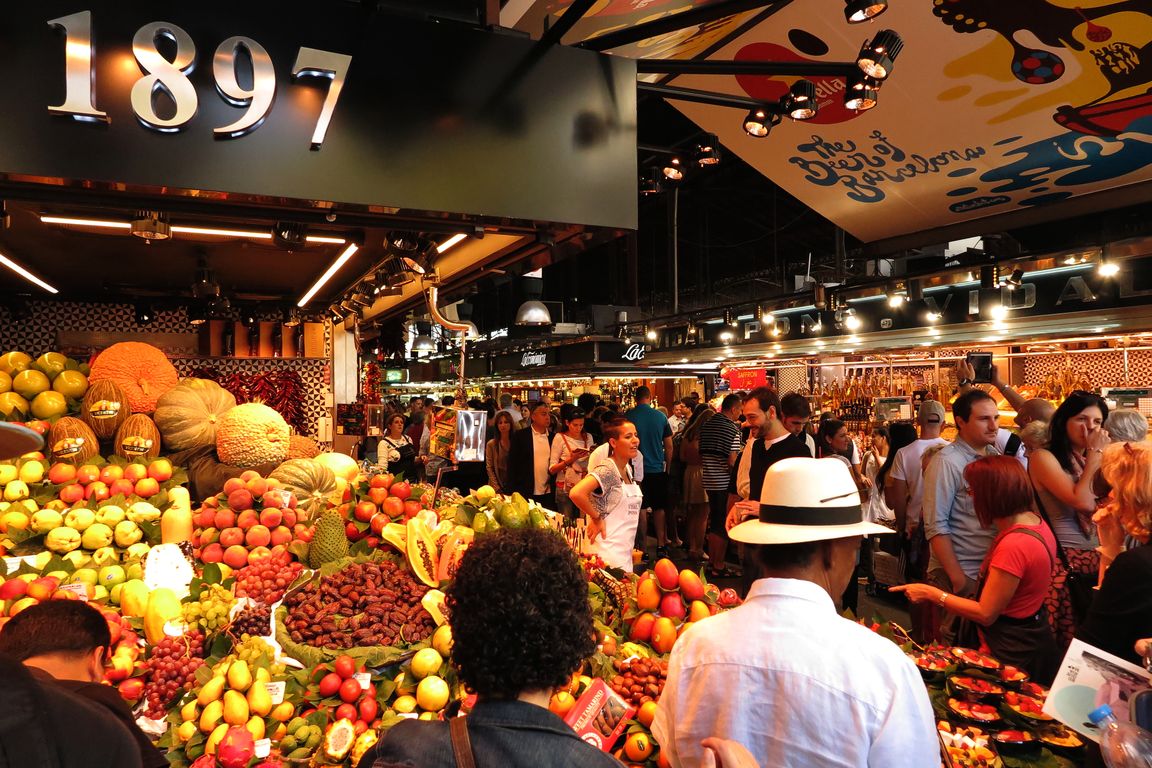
[784, 674]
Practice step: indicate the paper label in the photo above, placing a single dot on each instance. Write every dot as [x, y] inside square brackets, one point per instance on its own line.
[81, 590]
[364, 678]
[263, 748]
[276, 691]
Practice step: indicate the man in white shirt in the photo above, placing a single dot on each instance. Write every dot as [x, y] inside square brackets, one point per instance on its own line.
[528, 457]
[907, 493]
[783, 674]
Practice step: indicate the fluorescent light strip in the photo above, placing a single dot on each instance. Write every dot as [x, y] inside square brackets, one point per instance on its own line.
[450, 242]
[184, 230]
[323, 239]
[25, 274]
[85, 222]
[221, 232]
[340, 261]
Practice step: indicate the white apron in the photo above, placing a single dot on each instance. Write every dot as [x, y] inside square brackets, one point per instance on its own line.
[615, 548]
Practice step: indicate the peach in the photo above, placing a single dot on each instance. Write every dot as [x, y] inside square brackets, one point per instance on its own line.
[271, 500]
[213, 553]
[273, 483]
[289, 517]
[231, 537]
[257, 486]
[236, 556]
[205, 518]
[271, 517]
[70, 494]
[257, 554]
[250, 474]
[224, 518]
[60, 474]
[240, 499]
[160, 470]
[212, 502]
[135, 472]
[122, 487]
[281, 535]
[209, 535]
[248, 518]
[258, 536]
[146, 487]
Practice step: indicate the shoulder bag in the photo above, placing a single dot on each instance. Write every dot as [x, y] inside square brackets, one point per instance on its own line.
[461, 744]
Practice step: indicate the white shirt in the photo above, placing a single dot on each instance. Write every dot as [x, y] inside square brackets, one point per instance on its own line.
[600, 456]
[541, 452]
[797, 685]
[907, 467]
[562, 446]
[1002, 438]
[676, 423]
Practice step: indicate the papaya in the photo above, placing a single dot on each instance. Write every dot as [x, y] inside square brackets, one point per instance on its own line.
[133, 598]
[163, 606]
[422, 553]
[433, 602]
[176, 522]
[454, 548]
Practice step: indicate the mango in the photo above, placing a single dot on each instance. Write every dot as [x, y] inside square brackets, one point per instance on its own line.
[283, 712]
[215, 738]
[235, 708]
[163, 606]
[210, 717]
[134, 598]
[186, 730]
[255, 726]
[189, 711]
[239, 677]
[211, 691]
[259, 701]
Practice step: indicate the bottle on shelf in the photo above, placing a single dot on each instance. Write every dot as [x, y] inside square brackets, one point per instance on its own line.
[298, 339]
[277, 340]
[228, 343]
[1123, 745]
[254, 340]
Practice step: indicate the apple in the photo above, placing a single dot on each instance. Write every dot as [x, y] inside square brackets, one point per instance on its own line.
[122, 487]
[135, 472]
[61, 474]
[146, 487]
[393, 507]
[131, 689]
[412, 508]
[72, 493]
[377, 495]
[42, 588]
[119, 668]
[364, 511]
[97, 490]
[13, 589]
[88, 473]
[400, 490]
[160, 470]
[111, 473]
[21, 604]
[377, 523]
[383, 480]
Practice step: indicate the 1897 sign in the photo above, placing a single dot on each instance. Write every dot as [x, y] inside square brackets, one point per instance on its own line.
[169, 76]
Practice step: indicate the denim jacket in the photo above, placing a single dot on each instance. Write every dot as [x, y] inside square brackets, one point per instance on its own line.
[504, 734]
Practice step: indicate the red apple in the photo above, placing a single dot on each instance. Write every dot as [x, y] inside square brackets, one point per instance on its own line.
[381, 481]
[131, 689]
[111, 473]
[135, 472]
[123, 487]
[400, 490]
[70, 494]
[146, 487]
[87, 474]
[377, 495]
[61, 474]
[160, 470]
[412, 508]
[364, 511]
[97, 490]
[352, 532]
[393, 507]
[378, 522]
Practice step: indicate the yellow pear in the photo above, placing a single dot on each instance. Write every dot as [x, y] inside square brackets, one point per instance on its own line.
[283, 712]
[239, 677]
[262, 675]
[188, 712]
[214, 739]
[259, 700]
[235, 708]
[211, 691]
[255, 726]
[186, 730]
[210, 717]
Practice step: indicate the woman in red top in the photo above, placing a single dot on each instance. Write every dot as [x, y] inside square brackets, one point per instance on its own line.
[1016, 575]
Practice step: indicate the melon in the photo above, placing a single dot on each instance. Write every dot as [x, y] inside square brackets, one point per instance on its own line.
[250, 435]
[137, 438]
[72, 441]
[141, 370]
[187, 414]
[104, 408]
[301, 447]
[341, 464]
[312, 483]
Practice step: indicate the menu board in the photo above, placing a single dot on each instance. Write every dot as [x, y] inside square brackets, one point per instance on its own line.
[894, 409]
[1138, 398]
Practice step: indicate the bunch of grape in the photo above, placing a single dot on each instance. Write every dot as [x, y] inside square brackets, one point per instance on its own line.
[172, 666]
[268, 578]
[255, 620]
[212, 609]
[253, 649]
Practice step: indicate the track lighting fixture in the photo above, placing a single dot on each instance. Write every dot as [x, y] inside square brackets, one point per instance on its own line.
[144, 313]
[673, 170]
[760, 121]
[857, 11]
[205, 286]
[1015, 279]
[360, 298]
[151, 225]
[708, 150]
[861, 92]
[800, 103]
[879, 53]
[651, 182]
[290, 316]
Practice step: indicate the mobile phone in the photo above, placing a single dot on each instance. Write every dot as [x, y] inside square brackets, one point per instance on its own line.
[981, 363]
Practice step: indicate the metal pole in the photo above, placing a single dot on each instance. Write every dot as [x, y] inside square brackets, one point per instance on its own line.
[675, 237]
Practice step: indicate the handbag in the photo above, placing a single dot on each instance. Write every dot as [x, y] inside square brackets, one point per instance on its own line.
[461, 744]
[1081, 586]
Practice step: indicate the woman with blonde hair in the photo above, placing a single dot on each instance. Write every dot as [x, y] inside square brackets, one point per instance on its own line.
[1121, 614]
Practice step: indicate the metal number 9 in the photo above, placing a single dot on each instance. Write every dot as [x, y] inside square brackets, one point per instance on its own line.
[160, 74]
[258, 99]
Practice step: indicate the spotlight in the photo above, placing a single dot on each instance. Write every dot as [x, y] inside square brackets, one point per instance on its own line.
[673, 171]
[726, 336]
[708, 151]
[533, 312]
[998, 312]
[151, 225]
[290, 316]
[933, 317]
[851, 321]
[205, 286]
[759, 122]
[1016, 278]
[651, 335]
[289, 235]
[197, 314]
[650, 183]
[361, 298]
[420, 262]
[856, 11]
[861, 92]
[800, 103]
[879, 53]
[337, 314]
[144, 313]
[896, 300]
[1107, 268]
[249, 317]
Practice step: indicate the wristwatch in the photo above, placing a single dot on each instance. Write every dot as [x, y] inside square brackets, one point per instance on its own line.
[964, 382]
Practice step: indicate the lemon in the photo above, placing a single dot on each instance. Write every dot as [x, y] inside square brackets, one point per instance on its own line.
[405, 704]
[426, 662]
[442, 640]
[432, 693]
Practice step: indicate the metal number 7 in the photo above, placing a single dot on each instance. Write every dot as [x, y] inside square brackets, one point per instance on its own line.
[311, 62]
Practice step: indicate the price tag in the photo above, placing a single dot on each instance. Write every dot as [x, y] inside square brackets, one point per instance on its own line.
[276, 691]
[80, 589]
[263, 748]
[364, 678]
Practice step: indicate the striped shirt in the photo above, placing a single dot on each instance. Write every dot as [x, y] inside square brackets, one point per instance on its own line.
[719, 439]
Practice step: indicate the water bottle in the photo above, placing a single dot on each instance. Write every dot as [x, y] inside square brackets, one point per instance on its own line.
[1123, 745]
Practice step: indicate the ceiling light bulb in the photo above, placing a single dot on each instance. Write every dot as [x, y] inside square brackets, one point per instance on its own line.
[861, 92]
[878, 54]
[801, 103]
[673, 171]
[708, 151]
[896, 300]
[852, 323]
[998, 312]
[759, 122]
[1108, 268]
[856, 11]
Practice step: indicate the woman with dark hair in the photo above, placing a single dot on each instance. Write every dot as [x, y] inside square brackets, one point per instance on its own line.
[1015, 578]
[694, 495]
[610, 497]
[396, 449]
[569, 459]
[496, 451]
[832, 440]
[899, 435]
[874, 458]
[521, 625]
[1065, 475]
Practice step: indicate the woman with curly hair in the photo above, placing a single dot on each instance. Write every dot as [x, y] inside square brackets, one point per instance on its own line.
[521, 625]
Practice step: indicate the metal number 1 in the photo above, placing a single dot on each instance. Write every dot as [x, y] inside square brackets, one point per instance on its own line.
[311, 62]
[79, 75]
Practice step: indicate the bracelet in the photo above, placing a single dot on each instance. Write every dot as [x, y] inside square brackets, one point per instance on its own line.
[943, 597]
[964, 382]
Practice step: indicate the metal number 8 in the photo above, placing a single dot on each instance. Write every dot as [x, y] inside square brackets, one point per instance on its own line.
[160, 74]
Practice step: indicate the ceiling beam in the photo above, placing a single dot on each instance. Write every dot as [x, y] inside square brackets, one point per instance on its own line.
[677, 21]
[701, 97]
[715, 67]
[572, 14]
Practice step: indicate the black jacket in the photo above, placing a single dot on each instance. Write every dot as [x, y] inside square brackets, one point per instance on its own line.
[521, 463]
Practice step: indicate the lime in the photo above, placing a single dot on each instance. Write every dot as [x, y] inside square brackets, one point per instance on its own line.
[432, 693]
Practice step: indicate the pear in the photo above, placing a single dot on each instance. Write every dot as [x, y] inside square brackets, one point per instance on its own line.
[259, 701]
[235, 708]
[239, 678]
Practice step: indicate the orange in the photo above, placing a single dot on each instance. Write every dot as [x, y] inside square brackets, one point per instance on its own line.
[638, 747]
[561, 702]
[646, 713]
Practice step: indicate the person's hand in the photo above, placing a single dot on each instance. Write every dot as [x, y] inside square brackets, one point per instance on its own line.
[965, 370]
[726, 753]
[594, 528]
[919, 593]
[1097, 439]
[741, 511]
[1109, 529]
[866, 482]
[996, 381]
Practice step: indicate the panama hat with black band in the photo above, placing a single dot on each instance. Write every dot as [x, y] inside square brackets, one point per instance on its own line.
[807, 500]
[16, 440]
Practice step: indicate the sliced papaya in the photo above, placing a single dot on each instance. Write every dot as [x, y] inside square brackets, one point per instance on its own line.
[422, 552]
[396, 534]
[453, 550]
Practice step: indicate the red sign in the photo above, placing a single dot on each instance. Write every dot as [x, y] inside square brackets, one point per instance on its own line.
[746, 378]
